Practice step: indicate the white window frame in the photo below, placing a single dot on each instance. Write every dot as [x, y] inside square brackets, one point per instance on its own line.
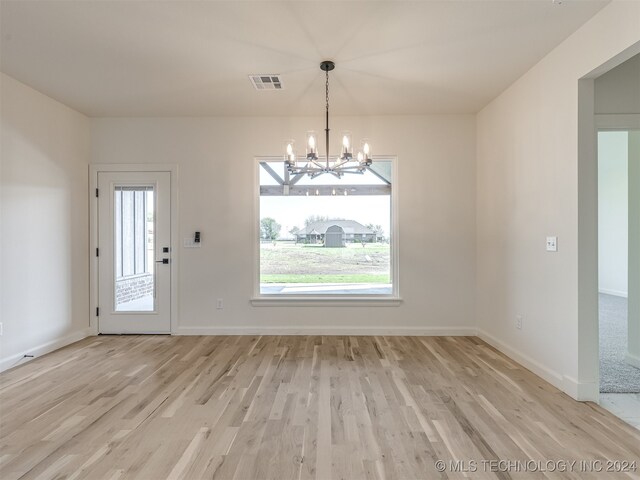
[392, 299]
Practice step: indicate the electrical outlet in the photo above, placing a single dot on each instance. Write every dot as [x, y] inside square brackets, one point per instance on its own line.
[519, 322]
[552, 244]
[219, 304]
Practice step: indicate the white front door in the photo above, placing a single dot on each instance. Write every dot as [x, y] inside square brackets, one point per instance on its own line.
[134, 254]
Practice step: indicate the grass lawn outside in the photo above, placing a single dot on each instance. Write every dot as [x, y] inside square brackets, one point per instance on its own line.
[291, 263]
[288, 278]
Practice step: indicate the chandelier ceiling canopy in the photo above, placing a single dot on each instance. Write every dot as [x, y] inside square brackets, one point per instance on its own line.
[345, 162]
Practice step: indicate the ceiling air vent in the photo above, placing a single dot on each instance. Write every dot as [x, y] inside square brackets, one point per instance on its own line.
[266, 82]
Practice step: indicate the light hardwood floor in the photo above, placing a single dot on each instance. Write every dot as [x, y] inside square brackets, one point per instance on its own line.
[293, 407]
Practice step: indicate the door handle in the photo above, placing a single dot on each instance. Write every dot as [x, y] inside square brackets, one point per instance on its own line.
[164, 260]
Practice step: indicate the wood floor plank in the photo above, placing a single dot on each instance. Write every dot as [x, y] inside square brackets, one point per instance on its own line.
[293, 407]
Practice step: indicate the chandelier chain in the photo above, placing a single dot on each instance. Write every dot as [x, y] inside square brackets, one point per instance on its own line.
[326, 131]
[327, 89]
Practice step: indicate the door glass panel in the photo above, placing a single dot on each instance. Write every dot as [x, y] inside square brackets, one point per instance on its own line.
[134, 249]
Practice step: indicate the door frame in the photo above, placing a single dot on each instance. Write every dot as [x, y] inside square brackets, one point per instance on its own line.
[93, 233]
[586, 386]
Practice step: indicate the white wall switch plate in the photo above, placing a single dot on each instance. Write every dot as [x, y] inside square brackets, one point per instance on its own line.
[552, 244]
[189, 242]
[219, 304]
[0, 329]
[519, 322]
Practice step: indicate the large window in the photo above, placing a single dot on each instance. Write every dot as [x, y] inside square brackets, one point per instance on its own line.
[326, 236]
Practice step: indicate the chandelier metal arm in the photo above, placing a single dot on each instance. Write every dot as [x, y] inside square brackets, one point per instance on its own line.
[317, 164]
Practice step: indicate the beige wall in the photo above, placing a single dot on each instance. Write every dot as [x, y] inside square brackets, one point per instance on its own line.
[215, 157]
[44, 259]
[618, 91]
[527, 146]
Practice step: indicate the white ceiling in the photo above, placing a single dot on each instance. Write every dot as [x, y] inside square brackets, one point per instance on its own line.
[182, 58]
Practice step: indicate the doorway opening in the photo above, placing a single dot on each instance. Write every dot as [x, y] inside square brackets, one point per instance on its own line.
[619, 271]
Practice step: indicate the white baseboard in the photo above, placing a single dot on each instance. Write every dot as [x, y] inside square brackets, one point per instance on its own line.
[315, 330]
[551, 376]
[615, 293]
[38, 351]
[581, 391]
[632, 360]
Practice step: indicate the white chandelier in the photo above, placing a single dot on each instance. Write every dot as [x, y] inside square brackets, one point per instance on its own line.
[311, 164]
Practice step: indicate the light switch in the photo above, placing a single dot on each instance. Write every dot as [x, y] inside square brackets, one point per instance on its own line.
[552, 244]
[189, 242]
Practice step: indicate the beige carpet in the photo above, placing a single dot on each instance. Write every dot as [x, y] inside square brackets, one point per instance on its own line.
[616, 376]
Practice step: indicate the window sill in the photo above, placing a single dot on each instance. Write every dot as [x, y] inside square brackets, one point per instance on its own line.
[324, 301]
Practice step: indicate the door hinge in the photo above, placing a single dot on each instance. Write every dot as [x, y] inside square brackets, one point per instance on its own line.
[97, 311]
[97, 252]
[96, 192]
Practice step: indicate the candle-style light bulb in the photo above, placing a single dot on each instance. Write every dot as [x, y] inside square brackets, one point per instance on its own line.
[345, 192]
[366, 153]
[346, 147]
[311, 146]
[360, 157]
[290, 155]
[333, 192]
